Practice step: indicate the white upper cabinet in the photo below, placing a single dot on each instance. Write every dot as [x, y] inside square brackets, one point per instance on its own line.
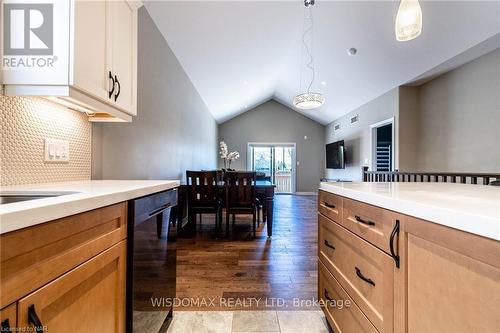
[94, 59]
[90, 68]
[122, 46]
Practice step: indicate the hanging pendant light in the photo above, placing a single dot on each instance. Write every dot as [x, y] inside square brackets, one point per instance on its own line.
[408, 20]
[308, 100]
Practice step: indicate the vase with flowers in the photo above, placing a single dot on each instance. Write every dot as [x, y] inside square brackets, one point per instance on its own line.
[227, 156]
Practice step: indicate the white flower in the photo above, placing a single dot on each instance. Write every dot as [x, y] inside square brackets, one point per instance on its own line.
[223, 150]
[233, 155]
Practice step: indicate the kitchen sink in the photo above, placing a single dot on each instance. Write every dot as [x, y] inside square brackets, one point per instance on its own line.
[14, 196]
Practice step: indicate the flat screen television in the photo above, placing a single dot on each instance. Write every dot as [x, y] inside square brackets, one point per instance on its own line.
[335, 155]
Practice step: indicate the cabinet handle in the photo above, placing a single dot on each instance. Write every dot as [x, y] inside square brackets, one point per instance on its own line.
[110, 92]
[33, 319]
[5, 326]
[395, 231]
[327, 296]
[362, 277]
[329, 205]
[119, 88]
[360, 220]
[329, 245]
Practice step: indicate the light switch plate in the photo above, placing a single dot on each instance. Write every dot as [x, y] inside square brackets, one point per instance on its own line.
[56, 150]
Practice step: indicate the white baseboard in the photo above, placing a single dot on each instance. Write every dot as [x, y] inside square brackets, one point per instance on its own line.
[306, 193]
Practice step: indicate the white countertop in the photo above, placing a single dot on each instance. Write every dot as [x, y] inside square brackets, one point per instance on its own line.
[90, 194]
[471, 208]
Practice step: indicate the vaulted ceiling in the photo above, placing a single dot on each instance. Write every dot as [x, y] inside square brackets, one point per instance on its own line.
[239, 54]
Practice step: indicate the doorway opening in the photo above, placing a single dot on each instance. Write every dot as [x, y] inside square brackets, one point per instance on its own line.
[382, 147]
[275, 162]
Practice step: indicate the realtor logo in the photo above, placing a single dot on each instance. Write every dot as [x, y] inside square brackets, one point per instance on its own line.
[28, 29]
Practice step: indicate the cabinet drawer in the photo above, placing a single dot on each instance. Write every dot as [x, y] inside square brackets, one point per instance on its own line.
[369, 222]
[330, 205]
[89, 298]
[34, 256]
[8, 318]
[364, 271]
[345, 319]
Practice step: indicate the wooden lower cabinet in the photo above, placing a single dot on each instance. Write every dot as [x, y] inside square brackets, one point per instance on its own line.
[364, 271]
[8, 318]
[89, 298]
[340, 310]
[452, 279]
[66, 275]
[447, 280]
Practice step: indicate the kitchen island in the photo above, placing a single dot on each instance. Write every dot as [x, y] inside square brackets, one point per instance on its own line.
[415, 257]
[64, 251]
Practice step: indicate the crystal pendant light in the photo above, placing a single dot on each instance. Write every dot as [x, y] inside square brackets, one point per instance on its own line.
[309, 100]
[408, 20]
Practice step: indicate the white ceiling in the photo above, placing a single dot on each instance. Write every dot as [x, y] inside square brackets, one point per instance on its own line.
[239, 54]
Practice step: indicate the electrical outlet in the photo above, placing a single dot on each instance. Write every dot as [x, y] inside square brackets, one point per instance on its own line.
[56, 150]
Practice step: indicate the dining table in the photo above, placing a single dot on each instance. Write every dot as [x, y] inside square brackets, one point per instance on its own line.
[264, 191]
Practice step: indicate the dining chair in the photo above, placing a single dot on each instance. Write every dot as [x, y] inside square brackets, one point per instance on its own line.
[240, 195]
[203, 196]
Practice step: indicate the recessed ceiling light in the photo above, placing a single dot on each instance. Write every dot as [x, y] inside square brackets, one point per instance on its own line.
[323, 83]
[352, 51]
[245, 82]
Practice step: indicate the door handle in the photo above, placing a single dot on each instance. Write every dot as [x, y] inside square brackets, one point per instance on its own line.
[34, 320]
[394, 255]
[5, 325]
[119, 88]
[159, 210]
[329, 205]
[112, 89]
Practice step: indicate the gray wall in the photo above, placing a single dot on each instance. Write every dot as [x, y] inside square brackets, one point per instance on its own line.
[173, 131]
[274, 122]
[357, 135]
[408, 128]
[448, 124]
[459, 119]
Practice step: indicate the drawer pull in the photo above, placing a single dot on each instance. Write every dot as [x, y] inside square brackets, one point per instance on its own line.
[33, 319]
[327, 244]
[362, 277]
[327, 296]
[394, 255]
[360, 220]
[5, 326]
[329, 205]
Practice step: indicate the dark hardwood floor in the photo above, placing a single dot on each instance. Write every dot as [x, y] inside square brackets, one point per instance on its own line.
[242, 269]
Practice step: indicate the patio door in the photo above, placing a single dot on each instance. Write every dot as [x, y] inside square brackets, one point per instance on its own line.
[276, 162]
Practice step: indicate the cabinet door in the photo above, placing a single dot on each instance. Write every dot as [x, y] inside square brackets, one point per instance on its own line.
[122, 53]
[90, 63]
[453, 280]
[89, 298]
[8, 318]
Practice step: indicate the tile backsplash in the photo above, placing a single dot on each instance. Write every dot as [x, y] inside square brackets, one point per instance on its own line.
[25, 122]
